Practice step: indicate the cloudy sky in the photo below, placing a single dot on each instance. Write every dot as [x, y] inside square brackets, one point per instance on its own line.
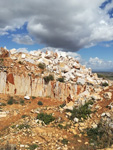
[83, 28]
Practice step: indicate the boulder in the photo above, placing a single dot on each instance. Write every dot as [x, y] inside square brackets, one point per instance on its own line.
[69, 106]
[81, 81]
[76, 120]
[13, 51]
[23, 56]
[27, 97]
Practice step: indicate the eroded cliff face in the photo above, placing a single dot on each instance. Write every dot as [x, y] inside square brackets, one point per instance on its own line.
[26, 85]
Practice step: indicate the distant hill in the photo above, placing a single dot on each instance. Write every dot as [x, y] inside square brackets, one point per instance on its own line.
[105, 75]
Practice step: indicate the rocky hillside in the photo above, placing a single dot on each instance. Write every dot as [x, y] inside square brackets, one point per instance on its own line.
[49, 101]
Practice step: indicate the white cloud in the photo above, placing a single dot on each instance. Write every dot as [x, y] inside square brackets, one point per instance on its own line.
[99, 64]
[67, 24]
[22, 39]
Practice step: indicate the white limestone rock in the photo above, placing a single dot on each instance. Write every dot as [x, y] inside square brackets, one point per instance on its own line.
[81, 81]
[27, 97]
[76, 120]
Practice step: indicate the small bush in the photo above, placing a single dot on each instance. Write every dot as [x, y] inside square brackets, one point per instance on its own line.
[40, 103]
[21, 101]
[24, 116]
[22, 126]
[65, 141]
[60, 126]
[10, 101]
[48, 78]
[82, 112]
[46, 118]
[33, 97]
[13, 126]
[105, 84]
[1, 61]
[62, 105]
[102, 136]
[60, 79]
[3, 104]
[33, 146]
[41, 65]
[16, 102]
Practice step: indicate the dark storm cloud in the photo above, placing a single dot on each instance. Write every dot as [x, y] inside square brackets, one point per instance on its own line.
[67, 24]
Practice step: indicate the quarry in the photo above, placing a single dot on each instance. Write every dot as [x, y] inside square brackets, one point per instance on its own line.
[49, 101]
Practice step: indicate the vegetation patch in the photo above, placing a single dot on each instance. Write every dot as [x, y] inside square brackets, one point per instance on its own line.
[33, 97]
[105, 84]
[102, 136]
[23, 126]
[41, 65]
[1, 61]
[67, 126]
[33, 146]
[105, 75]
[40, 103]
[46, 118]
[48, 78]
[64, 141]
[21, 101]
[62, 105]
[60, 79]
[82, 112]
[10, 101]
[24, 116]
[3, 104]
[13, 126]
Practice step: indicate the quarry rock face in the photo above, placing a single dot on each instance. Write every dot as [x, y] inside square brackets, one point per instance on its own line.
[4, 52]
[71, 81]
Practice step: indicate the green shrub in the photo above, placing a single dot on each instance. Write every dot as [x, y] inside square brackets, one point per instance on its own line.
[48, 78]
[13, 126]
[1, 61]
[82, 112]
[60, 126]
[16, 102]
[10, 101]
[21, 101]
[62, 105]
[46, 118]
[102, 136]
[33, 97]
[60, 79]
[41, 65]
[105, 84]
[65, 141]
[24, 116]
[22, 126]
[3, 104]
[33, 146]
[40, 103]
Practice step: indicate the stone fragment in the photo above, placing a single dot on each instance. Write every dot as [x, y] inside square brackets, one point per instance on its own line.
[3, 114]
[27, 97]
[76, 120]
[69, 106]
